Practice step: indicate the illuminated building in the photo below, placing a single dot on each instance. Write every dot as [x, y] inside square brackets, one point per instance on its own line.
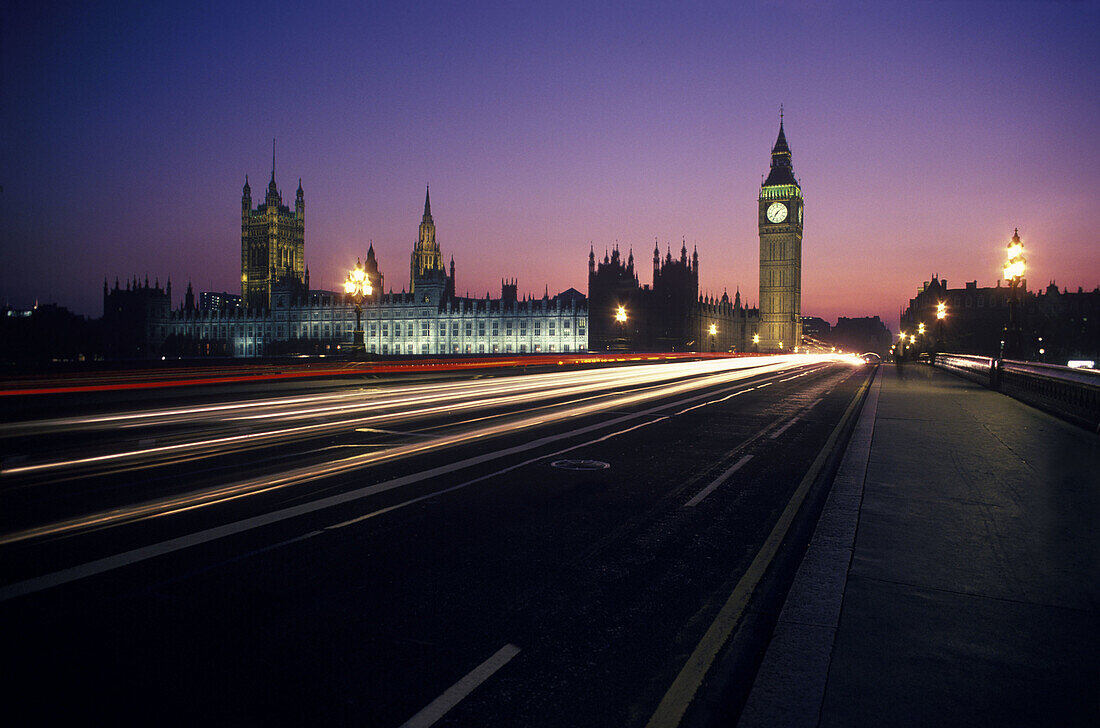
[780, 226]
[272, 243]
[427, 319]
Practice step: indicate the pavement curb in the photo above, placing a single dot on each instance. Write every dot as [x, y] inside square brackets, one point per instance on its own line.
[789, 687]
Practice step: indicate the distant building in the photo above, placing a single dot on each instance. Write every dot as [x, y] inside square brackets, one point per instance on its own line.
[668, 315]
[47, 333]
[860, 335]
[1063, 324]
[135, 319]
[272, 243]
[813, 326]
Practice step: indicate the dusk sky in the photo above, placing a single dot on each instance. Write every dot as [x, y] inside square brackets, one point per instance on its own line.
[922, 133]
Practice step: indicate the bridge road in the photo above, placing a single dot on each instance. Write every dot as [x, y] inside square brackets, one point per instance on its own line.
[502, 588]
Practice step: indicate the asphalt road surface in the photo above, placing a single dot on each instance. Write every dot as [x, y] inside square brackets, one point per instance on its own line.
[541, 550]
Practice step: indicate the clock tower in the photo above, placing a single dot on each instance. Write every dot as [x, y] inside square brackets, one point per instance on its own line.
[780, 225]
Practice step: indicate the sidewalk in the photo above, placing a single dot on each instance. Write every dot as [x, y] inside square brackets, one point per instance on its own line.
[953, 576]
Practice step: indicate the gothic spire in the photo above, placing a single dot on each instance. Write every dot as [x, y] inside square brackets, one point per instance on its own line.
[781, 140]
[781, 172]
[272, 161]
[427, 202]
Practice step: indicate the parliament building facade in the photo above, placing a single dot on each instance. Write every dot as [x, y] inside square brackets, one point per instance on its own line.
[278, 313]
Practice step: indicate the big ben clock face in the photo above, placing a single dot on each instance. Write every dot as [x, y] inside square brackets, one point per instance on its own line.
[777, 212]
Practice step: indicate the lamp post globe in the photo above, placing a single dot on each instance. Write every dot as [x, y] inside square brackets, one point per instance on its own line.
[1014, 268]
[356, 286]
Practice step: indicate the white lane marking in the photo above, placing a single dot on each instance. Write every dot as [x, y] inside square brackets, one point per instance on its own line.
[715, 401]
[717, 481]
[494, 474]
[433, 711]
[784, 428]
[794, 419]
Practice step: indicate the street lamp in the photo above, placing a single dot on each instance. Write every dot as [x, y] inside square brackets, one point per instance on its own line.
[620, 316]
[1014, 267]
[941, 314]
[756, 340]
[357, 286]
[713, 331]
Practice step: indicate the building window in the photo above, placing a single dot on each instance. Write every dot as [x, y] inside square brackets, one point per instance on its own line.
[565, 325]
[469, 328]
[454, 330]
[481, 328]
[507, 328]
[374, 329]
[423, 348]
[508, 348]
[538, 328]
[385, 348]
[523, 348]
[565, 348]
[443, 329]
[523, 328]
[373, 349]
[496, 328]
[481, 348]
[550, 328]
[385, 331]
[469, 348]
[424, 330]
[580, 329]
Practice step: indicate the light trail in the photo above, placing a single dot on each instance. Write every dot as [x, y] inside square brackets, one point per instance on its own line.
[390, 406]
[714, 376]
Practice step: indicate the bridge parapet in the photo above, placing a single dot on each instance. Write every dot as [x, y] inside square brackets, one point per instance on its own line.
[1073, 394]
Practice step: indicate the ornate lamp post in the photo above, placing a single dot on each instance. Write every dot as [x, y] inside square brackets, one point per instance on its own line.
[357, 286]
[620, 316]
[941, 314]
[712, 331]
[756, 342]
[1014, 268]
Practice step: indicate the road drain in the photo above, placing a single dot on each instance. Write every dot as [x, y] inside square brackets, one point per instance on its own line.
[580, 465]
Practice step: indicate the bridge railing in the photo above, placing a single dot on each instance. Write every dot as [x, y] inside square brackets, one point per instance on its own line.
[1073, 394]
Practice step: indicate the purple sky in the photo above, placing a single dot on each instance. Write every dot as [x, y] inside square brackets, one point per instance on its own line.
[923, 133]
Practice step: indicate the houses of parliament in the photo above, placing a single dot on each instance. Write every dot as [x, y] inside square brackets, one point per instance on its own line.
[277, 312]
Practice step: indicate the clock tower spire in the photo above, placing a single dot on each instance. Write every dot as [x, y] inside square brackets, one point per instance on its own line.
[780, 228]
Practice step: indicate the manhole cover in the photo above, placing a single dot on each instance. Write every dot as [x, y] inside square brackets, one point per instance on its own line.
[579, 465]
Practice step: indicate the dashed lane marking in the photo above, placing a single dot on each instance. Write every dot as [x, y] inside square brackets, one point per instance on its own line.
[433, 711]
[717, 481]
